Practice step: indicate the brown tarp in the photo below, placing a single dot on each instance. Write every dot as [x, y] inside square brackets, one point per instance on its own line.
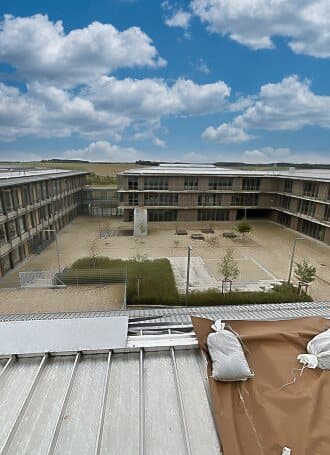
[257, 417]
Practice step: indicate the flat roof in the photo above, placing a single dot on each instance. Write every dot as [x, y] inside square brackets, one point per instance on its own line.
[10, 177]
[209, 170]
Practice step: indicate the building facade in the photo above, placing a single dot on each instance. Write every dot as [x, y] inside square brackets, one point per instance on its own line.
[297, 199]
[33, 203]
[100, 201]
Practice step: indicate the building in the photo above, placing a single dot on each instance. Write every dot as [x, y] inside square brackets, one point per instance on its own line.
[298, 199]
[100, 201]
[33, 202]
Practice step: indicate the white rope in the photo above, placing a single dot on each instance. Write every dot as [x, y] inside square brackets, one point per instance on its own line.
[250, 420]
[301, 370]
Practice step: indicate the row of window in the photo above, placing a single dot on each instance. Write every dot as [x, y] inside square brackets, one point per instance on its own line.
[192, 183]
[13, 228]
[203, 215]
[311, 229]
[17, 197]
[310, 189]
[208, 199]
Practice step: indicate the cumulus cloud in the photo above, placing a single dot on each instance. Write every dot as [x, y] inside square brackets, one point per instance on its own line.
[226, 134]
[288, 105]
[179, 18]
[254, 23]
[281, 154]
[107, 107]
[40, 50]
[104, 151]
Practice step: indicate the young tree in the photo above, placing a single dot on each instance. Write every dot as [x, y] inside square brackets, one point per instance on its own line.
[305, 273]
[228, 268]
[243, 227]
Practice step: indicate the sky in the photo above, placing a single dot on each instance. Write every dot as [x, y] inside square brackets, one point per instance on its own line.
[194, 80]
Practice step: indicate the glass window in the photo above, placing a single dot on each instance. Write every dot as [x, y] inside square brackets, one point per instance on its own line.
[155, 183]
[251, 184]
[245, 199]
[209, 199]
[191, 183]
[161, 199]
[311, 189]
[133, 183]
[219, 183]
[162, 215]
[306, 207]
[287, 186]
[213, 215]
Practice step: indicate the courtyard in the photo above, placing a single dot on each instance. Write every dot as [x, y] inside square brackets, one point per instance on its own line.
[263, 255]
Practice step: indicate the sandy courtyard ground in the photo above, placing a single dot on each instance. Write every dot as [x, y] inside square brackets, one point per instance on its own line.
[70, 299]
[264, 254]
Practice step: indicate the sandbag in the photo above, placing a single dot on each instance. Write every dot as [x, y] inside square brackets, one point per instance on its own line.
[227, 355]
[318, 352]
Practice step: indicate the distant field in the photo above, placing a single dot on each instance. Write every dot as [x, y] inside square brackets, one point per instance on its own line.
[106, 169]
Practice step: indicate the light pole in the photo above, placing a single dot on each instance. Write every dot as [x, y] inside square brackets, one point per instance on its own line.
[292, 257]
[188, 272]
[57, 250]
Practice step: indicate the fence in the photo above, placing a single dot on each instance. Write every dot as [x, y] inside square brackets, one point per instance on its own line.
[92, 276]
[39, 279]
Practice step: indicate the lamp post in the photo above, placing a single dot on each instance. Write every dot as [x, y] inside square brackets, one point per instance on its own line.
[57, 250]
[292, 257]
[188, 272]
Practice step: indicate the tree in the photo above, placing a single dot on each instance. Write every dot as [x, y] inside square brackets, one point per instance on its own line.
[228, 268]
[305, 273]
[243, 227]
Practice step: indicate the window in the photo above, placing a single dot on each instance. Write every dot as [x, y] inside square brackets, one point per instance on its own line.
[191, 183]
[310, 189]
[287, 186]
[312, 229]
[327, 213]
[155, 183]
[11, 230]
[15, 198]
[284, 202]
[250, 184]
[209, 199]
[213, 215]
[245, 199]
[21, 224]
[3, 237]
[161, 199]
[133, 198]
[284, 218]
[7, 199]
[162, 215]
[133, 183]
[218, 183]
[306, 207]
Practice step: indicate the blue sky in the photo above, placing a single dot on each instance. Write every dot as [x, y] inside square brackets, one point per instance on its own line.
[197, 80]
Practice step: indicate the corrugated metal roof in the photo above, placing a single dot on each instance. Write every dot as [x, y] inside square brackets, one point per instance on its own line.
[151, 401]
[181, 315]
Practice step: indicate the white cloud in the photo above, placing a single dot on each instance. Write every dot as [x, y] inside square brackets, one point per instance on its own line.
[179, 18]
[40, 50]
[104, 151]
[281, 154]
[287, 105]
[107, 108]
[159, 142]
[202, 67]
[148, 99]
[253, 23]
[196, 157]
[226, 134]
